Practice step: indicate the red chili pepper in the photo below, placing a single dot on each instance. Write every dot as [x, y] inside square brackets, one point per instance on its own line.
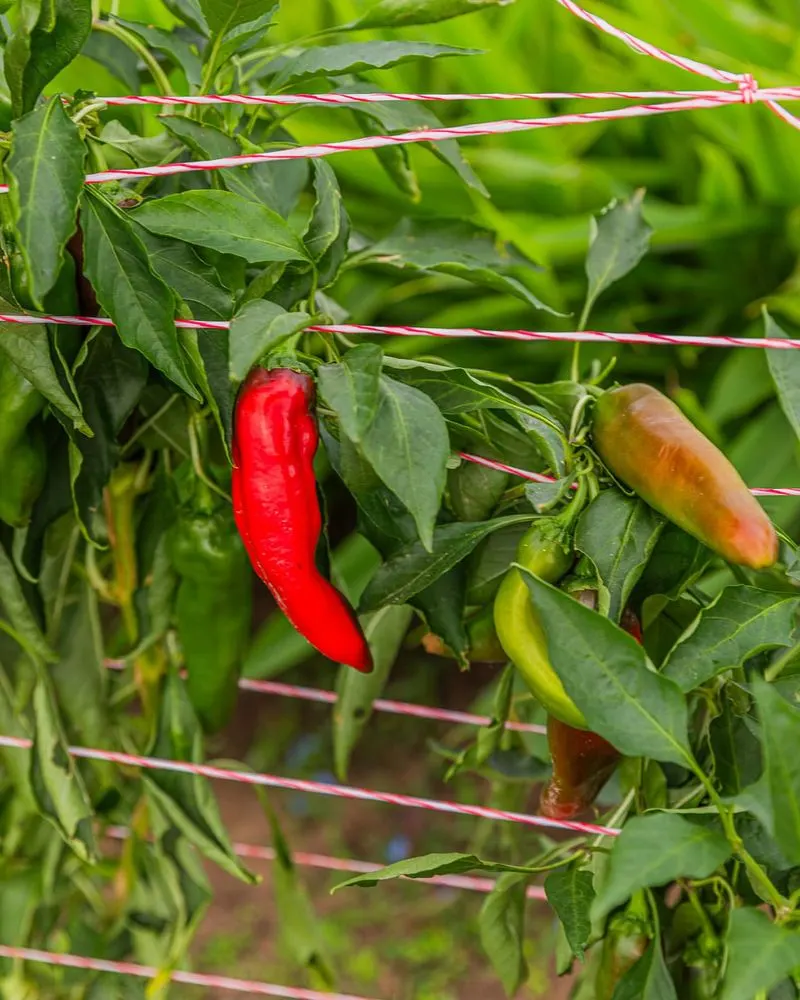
[582, 761]
[277, 511]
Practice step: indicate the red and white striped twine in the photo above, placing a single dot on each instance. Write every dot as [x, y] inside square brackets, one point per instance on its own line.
[586, 336]
[250, 987]
[337, 99]
[319, 788]
[448, 333]
[256, 852]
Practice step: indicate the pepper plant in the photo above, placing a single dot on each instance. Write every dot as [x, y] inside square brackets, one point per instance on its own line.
[656, 658]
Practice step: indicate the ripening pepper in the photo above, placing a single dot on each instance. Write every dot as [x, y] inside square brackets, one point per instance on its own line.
[645, 440]
[582, 760]
[543, 551]
[277, 510]
[213, 608]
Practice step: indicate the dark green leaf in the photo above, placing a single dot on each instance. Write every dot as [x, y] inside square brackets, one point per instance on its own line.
[28, 348]
[189, 12]
[171, 45]
[396, 117]
[46, 177]
[454, 390]
[145, 151]
[491, 562]
[187, 799]
[222, 221]
[385, 631]
[736, 749]
[17, 612]
[115, 56]
[502, 929]
[760, 954]
[413, 568]
[648, 979]
[618, 240]
[328, 233]
[258, 328]
[780, 725]
[784, 367]
[550, 439]
[607, 675]
[655, 849]
[544, 496]
[618, 533]
[190, 277]
[408, 446]
[677, 561]
[398, 13]
[259, 183]
[352, 389]
[129, 290]
[56, 781]
[224, 15]
[37, 51]
[460, 249]
[741, 622]
[353, 57]
[570, 891]
[430, 865]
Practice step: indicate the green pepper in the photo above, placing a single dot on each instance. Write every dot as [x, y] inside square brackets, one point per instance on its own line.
[214, 603]
[627, 936]
[544, 551]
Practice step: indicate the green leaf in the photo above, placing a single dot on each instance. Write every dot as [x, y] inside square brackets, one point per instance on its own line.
[259, 182]
[618, 240]
[224, 15]
[16, 611]
[46, 170]
[259, 327]
[328, 233]
[187, 799]
[408, 446]
[780, 725]
[653, 850]
[56, 781]
[618, 533]
[300, 927]
[412, 568]
[396, 161]
[460, 249]
[175, 48]
[182, 269]
[222, 221]
[741, 622]
[502, 928]
[454, 390]
[129, 290]
[607, 674]
[352, 388]
[570, 891]
[490, 563]
[760, 954]
[38, 51]
[784, 366]
[115, 56]
[145, 151]
[399, 13]
[190, 13]
[356, 692]
[429, 866]
[28, 348]
[677, 561]
[648, 979]
[353, 57]
[736, 749]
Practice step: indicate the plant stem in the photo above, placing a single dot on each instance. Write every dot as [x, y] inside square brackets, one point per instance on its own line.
[160, 78]
[575, 369]
[773, 671]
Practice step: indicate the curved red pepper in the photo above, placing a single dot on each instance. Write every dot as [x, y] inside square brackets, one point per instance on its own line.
[277, 511]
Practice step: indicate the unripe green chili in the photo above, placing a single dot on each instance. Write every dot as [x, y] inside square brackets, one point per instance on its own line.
[627, 936]
[214, 603]
[545, 552]
[647, 442]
